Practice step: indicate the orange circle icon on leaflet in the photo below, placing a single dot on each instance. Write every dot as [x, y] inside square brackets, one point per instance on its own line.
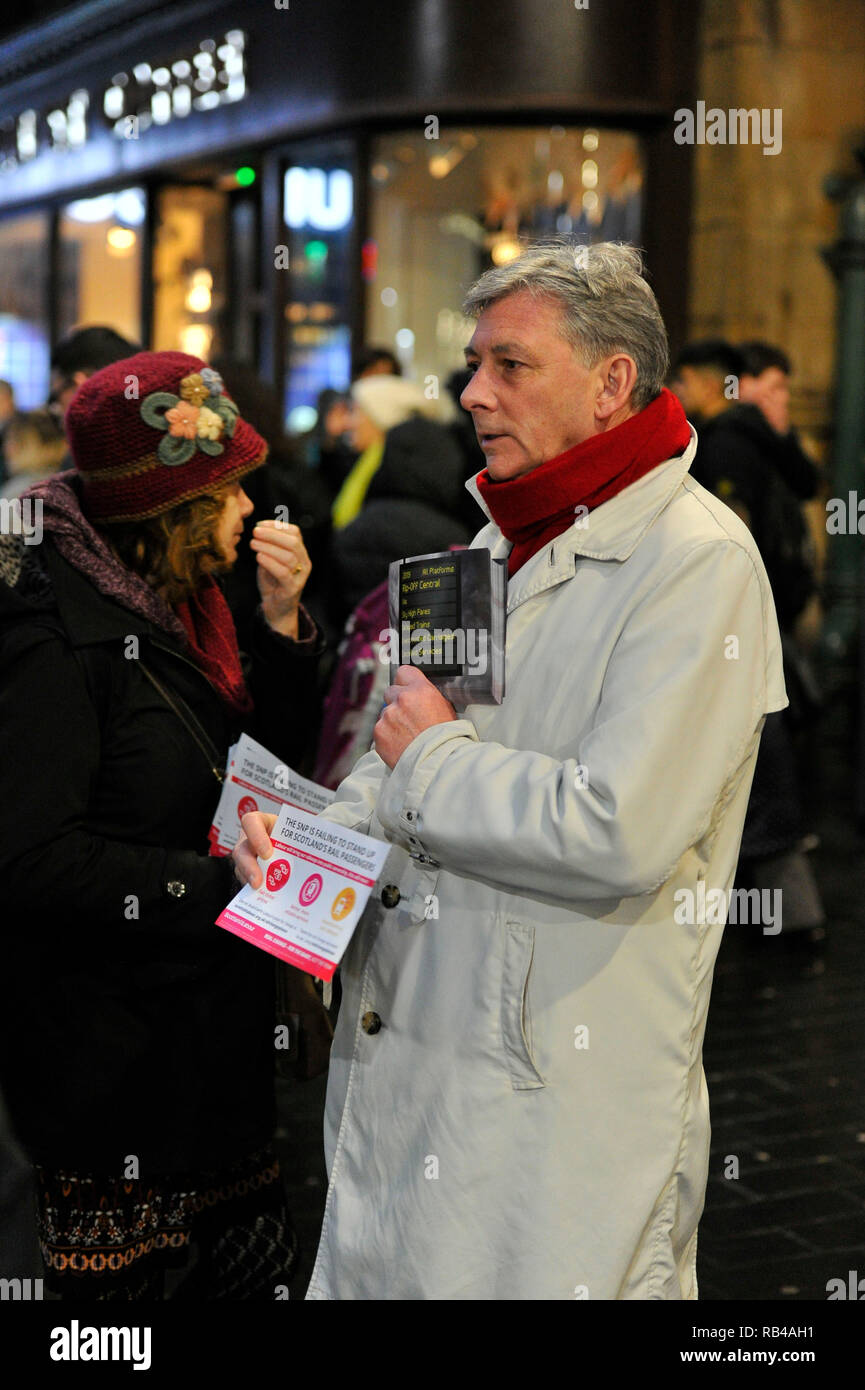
[343, 904]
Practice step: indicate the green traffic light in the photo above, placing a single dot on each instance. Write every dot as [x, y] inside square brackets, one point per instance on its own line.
[315, 251]
[245, 176]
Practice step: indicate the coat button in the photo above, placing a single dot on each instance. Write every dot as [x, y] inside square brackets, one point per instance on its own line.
[390, 895]
[370, 1023]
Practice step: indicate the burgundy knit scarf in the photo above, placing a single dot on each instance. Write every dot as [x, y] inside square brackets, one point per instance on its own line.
[533, 509]
[203, 625]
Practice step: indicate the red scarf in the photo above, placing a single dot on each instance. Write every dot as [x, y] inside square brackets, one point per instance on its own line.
[538, 506]
[209, 626]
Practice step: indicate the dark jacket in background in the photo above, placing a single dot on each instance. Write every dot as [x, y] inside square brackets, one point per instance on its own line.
[764, 476]
[415, 504]
[129, 1023]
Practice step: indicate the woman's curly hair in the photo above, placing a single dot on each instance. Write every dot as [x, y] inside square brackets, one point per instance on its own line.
[177, 550]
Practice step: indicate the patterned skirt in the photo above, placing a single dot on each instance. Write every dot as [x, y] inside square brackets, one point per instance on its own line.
[223, 1234]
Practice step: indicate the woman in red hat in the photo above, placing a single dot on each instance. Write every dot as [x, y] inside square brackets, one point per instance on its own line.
[137, 1037]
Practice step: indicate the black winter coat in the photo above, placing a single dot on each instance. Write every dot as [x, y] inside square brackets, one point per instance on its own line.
[763, 475]
[415, 504]
[129, 1023]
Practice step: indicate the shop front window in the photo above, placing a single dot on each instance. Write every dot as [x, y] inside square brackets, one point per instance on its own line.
[24, 334]
[444, 209]
[189, 271]
[100, 263]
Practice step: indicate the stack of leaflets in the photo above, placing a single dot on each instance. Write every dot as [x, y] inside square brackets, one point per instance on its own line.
[256, 780]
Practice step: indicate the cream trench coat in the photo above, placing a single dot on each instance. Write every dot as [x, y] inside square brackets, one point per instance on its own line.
[531, 1120]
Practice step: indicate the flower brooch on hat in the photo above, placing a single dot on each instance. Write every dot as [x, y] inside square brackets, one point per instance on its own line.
[199, 418]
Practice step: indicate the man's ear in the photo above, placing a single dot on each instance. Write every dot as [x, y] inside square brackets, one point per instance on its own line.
[619, 377]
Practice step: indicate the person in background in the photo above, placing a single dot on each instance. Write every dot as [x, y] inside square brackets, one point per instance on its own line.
[404, 494]
[34, 446]
[136, 1036]
[706, 378]
[749, 457]
[765, 383]
[375, 361]
[335, 456]
[77, 356]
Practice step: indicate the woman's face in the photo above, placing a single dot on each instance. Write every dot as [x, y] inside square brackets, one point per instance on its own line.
[236, 508]
[361, 430]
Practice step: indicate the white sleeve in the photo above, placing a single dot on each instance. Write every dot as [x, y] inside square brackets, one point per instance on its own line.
[356, 795]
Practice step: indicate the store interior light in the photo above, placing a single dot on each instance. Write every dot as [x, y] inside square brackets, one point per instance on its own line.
[130, 207]
[198, 296]
[245, 176]
[302, 418]
[120, 240]
[195, 339]
[504, 250]
[91, 209]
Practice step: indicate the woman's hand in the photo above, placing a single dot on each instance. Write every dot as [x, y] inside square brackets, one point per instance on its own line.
[283, 569]
[254, 844]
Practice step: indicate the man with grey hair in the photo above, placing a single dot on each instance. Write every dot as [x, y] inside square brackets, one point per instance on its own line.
[516, 1104]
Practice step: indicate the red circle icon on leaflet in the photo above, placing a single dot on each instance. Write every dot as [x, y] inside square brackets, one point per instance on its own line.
[311, 889]
[277, 874]
[245, 804]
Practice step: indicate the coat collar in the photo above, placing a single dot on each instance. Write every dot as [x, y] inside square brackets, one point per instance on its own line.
[610, 532]
[89, 616]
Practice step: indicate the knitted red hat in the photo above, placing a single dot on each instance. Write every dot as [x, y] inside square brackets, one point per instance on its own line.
[154, 430]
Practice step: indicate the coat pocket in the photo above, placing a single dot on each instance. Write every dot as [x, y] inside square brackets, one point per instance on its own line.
[516, 1020]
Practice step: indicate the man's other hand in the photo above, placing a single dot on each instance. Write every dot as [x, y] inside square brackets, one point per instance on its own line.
[413, 704]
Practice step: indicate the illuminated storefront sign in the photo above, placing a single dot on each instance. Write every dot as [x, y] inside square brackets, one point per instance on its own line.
[133, 101]
[313, 198]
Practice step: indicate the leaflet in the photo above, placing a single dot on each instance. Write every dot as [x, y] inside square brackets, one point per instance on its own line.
[316, 885]
[256, 780]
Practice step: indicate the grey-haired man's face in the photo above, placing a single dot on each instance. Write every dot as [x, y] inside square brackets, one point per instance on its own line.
[529, 396]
